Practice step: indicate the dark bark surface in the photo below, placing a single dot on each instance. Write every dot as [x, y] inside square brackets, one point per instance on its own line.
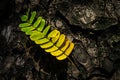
[92, 25]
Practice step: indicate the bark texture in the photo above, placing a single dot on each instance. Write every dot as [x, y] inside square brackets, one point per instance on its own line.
[93, 25]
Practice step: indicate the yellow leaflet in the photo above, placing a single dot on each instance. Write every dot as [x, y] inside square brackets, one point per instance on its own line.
[41, 41]
[54, 39]
[69, 49]
[56, 53]
[61, 40]
[51, 49]
[61, 57]
[66, 53]
[65, 46]
[53, 34]
[46, 45]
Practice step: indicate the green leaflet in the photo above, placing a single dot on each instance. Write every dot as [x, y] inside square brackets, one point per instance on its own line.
[51, 41]
[24, 18]
[33, 14]
[24, 25]
[42, 24]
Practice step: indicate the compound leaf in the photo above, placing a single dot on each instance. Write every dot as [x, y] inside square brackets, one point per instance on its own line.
[51, 41]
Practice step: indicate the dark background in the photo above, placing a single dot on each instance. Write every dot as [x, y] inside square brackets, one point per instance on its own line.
[92, 25]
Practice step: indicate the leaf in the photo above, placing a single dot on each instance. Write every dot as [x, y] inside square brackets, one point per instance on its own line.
[54, 35]
[27, 29]
[36, 36]
[42, 24]
[24, 25]
[41, 41]
[61, 40]
[30, 32]
[33, 14]
[56, 53]
[24, 18]
[49, 44]
[46, 30]
[69, 49]
[37, 22]
[63, 48]
[51, 49]
[51, 41]
[67, 52]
